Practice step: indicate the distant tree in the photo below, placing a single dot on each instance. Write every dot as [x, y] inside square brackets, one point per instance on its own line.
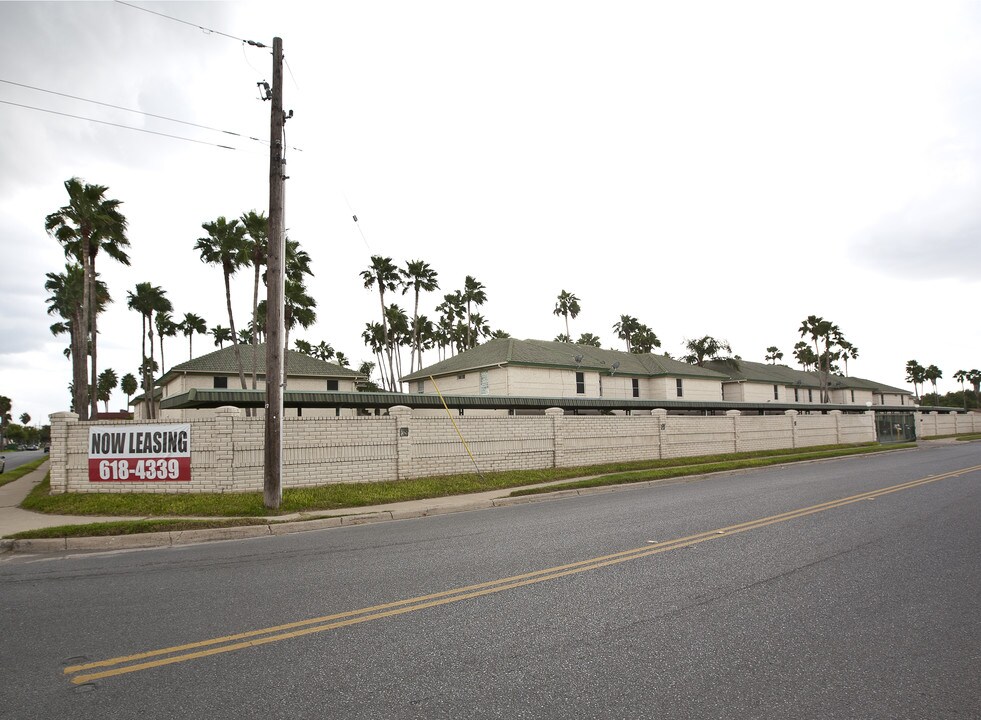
[367, 385]
[567, 306]
[417, 275]
[25, 419]
[385, 275]
[805, 356]
[341, 359]
[773, 354]
[933, 373]
[107, 383]
[589, 339]
[563, 338]
[221, 335]
[848, 351]
[474, 295]
[225, 246]
[323, 351]
[500, 334]
[256, 246]
[974, 377]
[916, 374]
[961, 376]
[644, 340]
[190, 325]
[625, 328]
[707, 347]
[302, 346]
[166, 327]
[88, 224]
[128, 386]
[146, 300]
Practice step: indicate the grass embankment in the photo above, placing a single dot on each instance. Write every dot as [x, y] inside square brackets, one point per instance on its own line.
[17, 473]
[968, 436]
[247, 508]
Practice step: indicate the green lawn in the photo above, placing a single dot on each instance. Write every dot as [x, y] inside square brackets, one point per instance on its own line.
[17, 473]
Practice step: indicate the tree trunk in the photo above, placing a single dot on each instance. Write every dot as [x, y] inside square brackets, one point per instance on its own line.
[81, 388]
[94, 306]
[231, 322]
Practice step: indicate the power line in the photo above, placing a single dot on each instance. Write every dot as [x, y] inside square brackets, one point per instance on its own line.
[138, 112]
[254, 43]
[125, 127]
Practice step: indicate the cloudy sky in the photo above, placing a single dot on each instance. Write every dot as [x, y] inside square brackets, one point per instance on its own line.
[710, 168]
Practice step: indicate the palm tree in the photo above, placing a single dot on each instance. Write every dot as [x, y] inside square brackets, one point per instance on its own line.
[399, 334]
[374, 338]
[166, 327]
[960, 376]
[589, 339]
[302, 346]
[385, 275]
[708, 347]
[474, 294]
[147, 300]
[562, 338]
[189, 325]
[225, 246]
[915, 373]
[418, 275]
[625, 328]
[87, 224]
[25, 419]
[933, 373]
[974, 377]
[341, 359]
[773, 354]
[128, 386]
[644, 340]
[221, 335]
[451, 310]
[256, 243]
[107, 383]
[820, 329]
[567, 306]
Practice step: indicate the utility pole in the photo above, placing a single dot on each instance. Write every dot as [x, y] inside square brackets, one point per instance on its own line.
[275, 286]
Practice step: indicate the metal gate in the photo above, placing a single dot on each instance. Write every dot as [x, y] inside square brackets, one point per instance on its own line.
[895, 427]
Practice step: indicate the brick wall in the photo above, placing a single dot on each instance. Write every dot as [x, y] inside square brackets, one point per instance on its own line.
[227, 449]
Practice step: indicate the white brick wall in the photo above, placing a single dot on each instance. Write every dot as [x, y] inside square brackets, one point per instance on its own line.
[227, 455]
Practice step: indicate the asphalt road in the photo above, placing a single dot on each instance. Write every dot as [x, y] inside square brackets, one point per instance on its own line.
[19, 457]
[707, 599]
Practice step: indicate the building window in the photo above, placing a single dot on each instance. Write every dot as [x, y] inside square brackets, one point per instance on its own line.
[853, 396]
[796, 395]
[810, 395]
[421, 386]
[221, 383]
[681, 391]
[635, 387]
[462, 376]
[331, 386]
[776, 392]
[580, 383]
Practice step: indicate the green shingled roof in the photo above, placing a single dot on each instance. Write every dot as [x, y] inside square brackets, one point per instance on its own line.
[222, 362]
[783, 375]
[545, 353]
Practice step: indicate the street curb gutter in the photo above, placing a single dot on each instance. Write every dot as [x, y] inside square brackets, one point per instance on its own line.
[193, 537]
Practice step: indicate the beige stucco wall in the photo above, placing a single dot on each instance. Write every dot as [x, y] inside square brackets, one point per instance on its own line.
[753, 392]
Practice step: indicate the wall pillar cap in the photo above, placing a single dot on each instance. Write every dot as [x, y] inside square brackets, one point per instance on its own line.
[834, 412]
[555, 412]
[733, 413]
[659, 412]
[228, 410]
[791, 412]
[64, 415]
[400, 410]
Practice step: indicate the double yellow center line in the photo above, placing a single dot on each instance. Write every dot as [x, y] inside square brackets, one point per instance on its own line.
[254, 638]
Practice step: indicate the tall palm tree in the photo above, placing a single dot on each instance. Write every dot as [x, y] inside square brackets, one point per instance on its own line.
[87, 224]
[567, 306]
[166, 327]
[418, 275]
[933, 373]
[225, 246]
[374, 338]
[399, 334]
[773, 354]
[451, 310]
[107, 383]
[189, 325]
[128, 386]
[915, 373]
[146, 300]
[383, 273]
[474, 295]
[256, 243]
[820, 329]
[974, 377]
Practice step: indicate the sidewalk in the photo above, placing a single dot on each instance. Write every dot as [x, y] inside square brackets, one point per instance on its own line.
[14, 520]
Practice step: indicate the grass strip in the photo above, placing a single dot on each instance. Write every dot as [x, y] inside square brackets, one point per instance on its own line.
[19, 472]
[976, 436]
[958, 436]
[667, 473]
[132, 527]
[353, 495]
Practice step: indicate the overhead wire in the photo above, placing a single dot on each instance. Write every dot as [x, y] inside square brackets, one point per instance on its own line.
[253, 43]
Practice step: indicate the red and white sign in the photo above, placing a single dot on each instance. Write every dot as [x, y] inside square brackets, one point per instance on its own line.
[140, 453]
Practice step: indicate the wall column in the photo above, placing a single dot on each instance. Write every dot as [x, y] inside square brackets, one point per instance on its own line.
[734, 414]
[662, 424]
[61, 425]
[403, 440]
[558, 434]
[837, 416]
[792, 418]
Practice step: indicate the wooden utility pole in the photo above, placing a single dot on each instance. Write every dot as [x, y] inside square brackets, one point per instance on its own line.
[275, 282]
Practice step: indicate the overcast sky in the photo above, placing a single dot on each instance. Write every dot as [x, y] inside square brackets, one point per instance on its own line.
[710, 168]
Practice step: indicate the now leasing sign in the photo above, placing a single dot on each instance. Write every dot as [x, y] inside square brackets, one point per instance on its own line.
[140, 453]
